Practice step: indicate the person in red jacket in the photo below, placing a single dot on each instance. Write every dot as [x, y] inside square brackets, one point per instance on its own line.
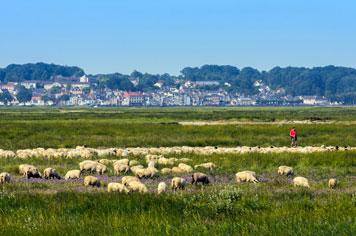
[293, 137]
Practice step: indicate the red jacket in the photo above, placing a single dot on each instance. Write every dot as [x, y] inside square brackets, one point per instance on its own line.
[293, 133]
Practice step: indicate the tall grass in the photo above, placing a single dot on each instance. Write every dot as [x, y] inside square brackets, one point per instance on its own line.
[230, 211]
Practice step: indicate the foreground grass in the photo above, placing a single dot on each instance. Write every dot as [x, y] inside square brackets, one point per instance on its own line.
[227, 211]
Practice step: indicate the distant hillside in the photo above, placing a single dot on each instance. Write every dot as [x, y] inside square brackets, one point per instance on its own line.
[335, 83]
[38, 71]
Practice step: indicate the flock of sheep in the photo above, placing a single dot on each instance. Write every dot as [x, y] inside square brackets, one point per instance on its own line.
[84, 152]
[134, 184]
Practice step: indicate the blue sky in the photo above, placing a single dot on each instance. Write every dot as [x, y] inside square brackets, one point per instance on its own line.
[158, 36]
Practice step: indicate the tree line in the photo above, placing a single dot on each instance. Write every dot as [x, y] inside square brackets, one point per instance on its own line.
[334, 82]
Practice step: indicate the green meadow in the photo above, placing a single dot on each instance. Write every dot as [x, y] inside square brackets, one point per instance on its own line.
[132, 127]
[272, 207]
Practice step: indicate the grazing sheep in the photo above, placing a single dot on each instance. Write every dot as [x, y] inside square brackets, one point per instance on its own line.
[332, 183]
[165, 161]
[148, 172]
[126, 179]
[92, 166]
[72, 174]
[301, 181]
[7, 154]
[185, 160]
[106, 152]
[178, 183]
[136, 186]
[117, 187]
[121, 168]
[91, 181]
[177, 170]
[140, 172]
[105, 162]
[100, 168]
[122, 161]
[135, 169]
[200, 178]
[162, 187]
[29, 171]
[285, 170]
[5, 178]
[166, 171]
[88, 165]
[208, 165]
[134, 163]
[151, 157]
[50, 173]
[186, 168]
[246, 176]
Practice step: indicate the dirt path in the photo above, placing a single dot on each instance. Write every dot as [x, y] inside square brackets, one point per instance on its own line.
[281, 122]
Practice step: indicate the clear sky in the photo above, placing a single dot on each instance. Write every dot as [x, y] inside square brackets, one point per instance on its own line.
[158, 36]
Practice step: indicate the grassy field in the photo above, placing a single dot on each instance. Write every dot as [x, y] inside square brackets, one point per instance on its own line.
[271, 207]
[23, 128]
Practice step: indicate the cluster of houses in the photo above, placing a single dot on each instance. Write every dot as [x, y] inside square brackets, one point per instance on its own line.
[83, 91]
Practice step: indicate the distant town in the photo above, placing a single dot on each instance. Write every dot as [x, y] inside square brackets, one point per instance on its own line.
[84, 91]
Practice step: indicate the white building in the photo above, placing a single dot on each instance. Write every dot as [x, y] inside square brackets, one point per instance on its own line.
[49, 86]
[314, 100]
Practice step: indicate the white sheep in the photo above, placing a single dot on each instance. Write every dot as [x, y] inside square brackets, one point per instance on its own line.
[246, 176]
[105, 162]
[117, 187]
[50, 173]
[136, 186]
[72, 174]
[5, 178]
[100, 168]
[177, 170]
[186, 168]
[332, 183]
[166, 171]
[126, 179]
[285, 170]
[165, 161]
[29, 171]
[88, 165]
[148, 172]
[151, 157]
[134, 163]
[7, 154]
[106, 152]
[162, 187]
[185, 160]
[121, 168]
[91, 181]
[151, 164]
[178, 183]
[208, 165]
[122, 161]
[301, 181]
[136, 169]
